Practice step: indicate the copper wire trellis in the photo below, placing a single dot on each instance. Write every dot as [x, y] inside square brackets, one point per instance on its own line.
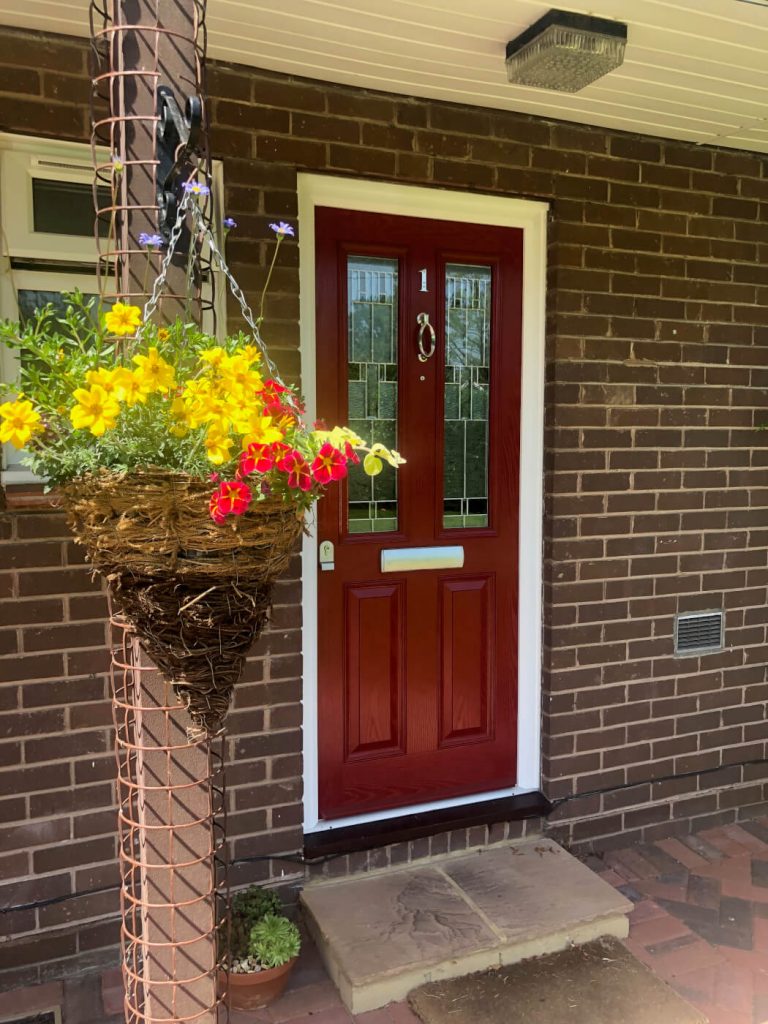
[148, 730]
[124, 187]
[171, 794]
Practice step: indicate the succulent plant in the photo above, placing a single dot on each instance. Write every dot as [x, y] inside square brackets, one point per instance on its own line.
[274, 941]
[248, 907]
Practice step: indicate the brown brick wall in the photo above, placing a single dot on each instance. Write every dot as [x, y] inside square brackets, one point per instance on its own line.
[654, 480]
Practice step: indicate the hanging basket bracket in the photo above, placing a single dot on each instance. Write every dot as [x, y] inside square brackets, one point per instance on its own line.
[178, 135]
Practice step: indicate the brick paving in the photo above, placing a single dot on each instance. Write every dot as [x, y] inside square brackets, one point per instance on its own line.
[700, 922]
[700, 919]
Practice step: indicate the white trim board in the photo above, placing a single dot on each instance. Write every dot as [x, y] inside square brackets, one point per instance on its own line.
[471, 208]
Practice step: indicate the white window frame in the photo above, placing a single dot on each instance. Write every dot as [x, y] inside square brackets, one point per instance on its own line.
[470, 208]
[11, 282]
[22, 159]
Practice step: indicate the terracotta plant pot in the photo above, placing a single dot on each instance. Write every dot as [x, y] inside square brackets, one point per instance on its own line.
[252, 991]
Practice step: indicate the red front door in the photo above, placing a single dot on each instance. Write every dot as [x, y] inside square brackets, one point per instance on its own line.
[418, 346]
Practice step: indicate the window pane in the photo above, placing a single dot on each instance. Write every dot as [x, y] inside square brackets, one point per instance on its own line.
[467, 374]
[30, 300]
[372, 377]
[66, 207]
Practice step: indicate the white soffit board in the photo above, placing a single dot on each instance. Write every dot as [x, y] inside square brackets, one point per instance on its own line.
[695, 70]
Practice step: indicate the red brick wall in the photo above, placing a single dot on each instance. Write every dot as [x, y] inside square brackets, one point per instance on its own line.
[655, 496]
[654, 480]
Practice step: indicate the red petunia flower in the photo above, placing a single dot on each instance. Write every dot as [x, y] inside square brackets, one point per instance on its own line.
[329, 465]
[213, 506]
[257, 458]
[296, 467]
[351, 454]
[230, 499]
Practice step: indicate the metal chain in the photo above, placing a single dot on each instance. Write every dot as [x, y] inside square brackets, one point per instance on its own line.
[234, 287]
[160, 280]
[204, 229]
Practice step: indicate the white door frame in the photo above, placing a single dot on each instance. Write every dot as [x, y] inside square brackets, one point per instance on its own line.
[440, 204]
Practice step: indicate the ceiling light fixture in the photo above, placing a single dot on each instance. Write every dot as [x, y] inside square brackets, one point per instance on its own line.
[566, 52]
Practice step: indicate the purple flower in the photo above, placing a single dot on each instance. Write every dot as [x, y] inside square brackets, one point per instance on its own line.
[151, 241]
[196, 188]
[282, 229]
[229, 223]
[117, 164]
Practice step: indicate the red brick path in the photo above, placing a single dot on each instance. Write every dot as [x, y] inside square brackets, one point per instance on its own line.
[700, 922]
[701, 916]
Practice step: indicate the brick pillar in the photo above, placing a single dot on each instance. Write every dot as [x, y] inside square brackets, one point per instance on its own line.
[168, 863]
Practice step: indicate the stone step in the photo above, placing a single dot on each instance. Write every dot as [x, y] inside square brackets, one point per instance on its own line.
[383, 934]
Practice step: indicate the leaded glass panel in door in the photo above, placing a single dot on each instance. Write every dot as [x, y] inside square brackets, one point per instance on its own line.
[372, 349]
[466, 393]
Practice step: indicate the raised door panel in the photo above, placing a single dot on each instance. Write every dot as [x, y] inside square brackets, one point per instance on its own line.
[467, 659]
[374, 670]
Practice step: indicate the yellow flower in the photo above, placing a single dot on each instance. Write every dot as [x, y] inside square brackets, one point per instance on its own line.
[96, 409]
[104, 378]
[261, 430]
[122, 319]
[128, 386]
[338, 437]
[20, 422]
[249, 352]
[394, 458]
[181, 418]
[163, 334]
[217, 446]
[238, 377]
[153, 373]
[200, 402]
[213, 356]
[372, 463]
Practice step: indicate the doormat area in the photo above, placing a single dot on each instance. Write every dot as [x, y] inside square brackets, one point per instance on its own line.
[598, 983]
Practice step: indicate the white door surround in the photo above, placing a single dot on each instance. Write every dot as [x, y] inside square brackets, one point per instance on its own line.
[472, 208]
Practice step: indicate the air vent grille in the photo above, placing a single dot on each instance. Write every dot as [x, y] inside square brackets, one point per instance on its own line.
[699, 632]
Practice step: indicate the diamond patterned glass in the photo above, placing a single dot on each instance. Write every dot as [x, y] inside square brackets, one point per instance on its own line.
[372, 383]
[467, 375]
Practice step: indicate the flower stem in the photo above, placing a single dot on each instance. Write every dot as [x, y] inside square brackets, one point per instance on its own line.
[146, 275]
[269, 278]
[110, 234]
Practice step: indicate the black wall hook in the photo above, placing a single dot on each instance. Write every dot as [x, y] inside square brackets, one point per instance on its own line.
[176, 142]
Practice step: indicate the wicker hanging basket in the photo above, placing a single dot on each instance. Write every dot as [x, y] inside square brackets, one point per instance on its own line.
[197, 593]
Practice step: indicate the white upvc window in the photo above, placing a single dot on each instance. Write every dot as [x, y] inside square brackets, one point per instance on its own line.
[47, 243]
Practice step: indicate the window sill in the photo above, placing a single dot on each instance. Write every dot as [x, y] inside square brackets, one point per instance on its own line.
[18, 497]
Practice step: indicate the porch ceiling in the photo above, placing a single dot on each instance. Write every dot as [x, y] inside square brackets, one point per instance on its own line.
[694, 70]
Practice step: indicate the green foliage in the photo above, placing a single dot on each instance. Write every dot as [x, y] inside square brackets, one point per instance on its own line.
[274, 941]
[57, 351]
[249, 906]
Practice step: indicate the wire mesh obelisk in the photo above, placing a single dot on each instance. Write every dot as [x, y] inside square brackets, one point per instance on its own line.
[170, 791]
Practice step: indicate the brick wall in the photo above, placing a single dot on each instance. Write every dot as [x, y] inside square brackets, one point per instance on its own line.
[654, 479]
[655, 496]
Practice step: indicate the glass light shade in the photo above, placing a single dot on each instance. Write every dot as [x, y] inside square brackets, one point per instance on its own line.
[564, 57]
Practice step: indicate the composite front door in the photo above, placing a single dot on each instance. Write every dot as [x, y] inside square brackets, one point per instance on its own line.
[418, 347]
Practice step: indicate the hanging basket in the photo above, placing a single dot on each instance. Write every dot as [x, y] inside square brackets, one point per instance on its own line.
[197, 593]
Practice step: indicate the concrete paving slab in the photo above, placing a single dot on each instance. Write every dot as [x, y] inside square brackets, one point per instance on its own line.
[526, 889]
[598, 983]
[384, 934]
